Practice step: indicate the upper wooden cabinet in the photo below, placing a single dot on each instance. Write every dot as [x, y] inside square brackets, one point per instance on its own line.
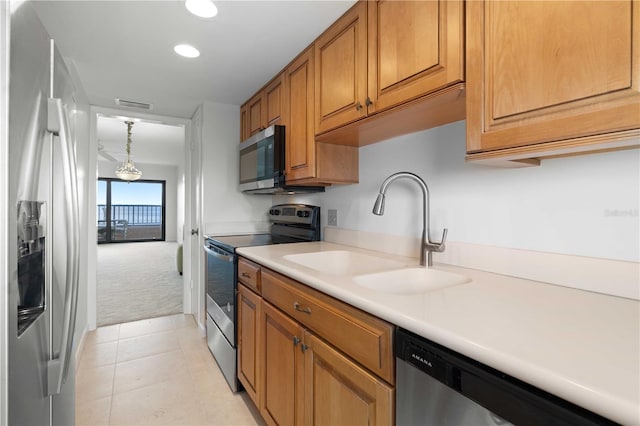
[551, 78]
[244, 124]
[309, 162]
[264, 109]
[300, 155]
[341, 70]
[382, 54]
[415, 48]
[273, 98]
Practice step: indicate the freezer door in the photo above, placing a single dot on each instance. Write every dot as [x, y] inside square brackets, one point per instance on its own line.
[29, 159]
[42, 170]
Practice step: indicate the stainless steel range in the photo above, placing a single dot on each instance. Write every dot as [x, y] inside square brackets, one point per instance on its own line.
[290, 223]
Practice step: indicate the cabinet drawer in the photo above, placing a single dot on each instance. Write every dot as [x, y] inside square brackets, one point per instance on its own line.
[249, 274]
[367, 339]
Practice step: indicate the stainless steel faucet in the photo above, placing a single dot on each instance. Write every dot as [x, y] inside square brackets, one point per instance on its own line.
[427, 246]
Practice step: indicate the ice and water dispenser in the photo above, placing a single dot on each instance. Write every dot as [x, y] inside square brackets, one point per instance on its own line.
[31, 262]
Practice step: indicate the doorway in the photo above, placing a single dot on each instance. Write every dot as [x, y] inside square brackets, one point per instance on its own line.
[160, 159]
[130, 211]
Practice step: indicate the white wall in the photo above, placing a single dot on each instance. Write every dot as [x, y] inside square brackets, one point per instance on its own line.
[225, 209]
[585, 205]
[167, 173]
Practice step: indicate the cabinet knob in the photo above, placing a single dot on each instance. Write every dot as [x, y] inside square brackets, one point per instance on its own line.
[296, 340]
[359, 106]
[245, 275]
[369, 102]
[304, 347]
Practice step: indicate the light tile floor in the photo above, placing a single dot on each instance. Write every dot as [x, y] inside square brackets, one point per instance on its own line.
[157, 371]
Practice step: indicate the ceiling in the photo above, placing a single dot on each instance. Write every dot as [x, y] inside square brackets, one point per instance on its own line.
[124, 49]
[152, 143]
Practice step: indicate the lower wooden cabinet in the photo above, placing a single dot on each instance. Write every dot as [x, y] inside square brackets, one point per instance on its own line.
[281, 402]
[339, 392]
[249, 309]
[297, 377]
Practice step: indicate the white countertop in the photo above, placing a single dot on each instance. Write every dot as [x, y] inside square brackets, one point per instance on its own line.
[581, 346]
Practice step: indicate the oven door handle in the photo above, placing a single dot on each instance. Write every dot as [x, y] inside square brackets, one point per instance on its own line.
[219, 254]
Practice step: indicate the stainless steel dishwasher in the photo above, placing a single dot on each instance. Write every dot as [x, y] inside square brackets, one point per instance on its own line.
[440, 387]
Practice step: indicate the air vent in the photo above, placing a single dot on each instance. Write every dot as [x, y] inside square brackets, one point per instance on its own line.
[133, 104]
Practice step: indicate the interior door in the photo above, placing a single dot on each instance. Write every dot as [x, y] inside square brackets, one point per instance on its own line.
[194, 234]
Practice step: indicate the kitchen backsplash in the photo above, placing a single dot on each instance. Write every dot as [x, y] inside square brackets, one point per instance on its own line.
[613, 277]
[584, 206]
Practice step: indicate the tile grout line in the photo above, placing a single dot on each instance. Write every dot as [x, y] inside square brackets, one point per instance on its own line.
[113, 380]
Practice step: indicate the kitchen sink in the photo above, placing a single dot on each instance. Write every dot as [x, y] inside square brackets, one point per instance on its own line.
[343, 262]
[409, 280]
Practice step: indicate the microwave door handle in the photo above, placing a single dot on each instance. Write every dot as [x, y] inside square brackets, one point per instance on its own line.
[218, 254]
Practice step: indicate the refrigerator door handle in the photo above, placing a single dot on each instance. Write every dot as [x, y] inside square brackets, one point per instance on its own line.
[58, 366]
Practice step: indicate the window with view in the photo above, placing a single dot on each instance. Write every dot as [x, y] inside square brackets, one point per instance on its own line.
[130, 211]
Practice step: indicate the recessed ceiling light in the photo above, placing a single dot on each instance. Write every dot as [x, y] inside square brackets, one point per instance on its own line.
[202, 8]
[186, 51]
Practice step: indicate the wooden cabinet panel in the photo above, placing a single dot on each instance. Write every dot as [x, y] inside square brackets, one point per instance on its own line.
[364, 337]
[341, 70]
[338, 392]
[414, 48]
[273, 97]
[244, 124]
[299, 92]
[256, 114]
[562, 52]
[558, 72]
[249, 367]
[249, 274]
[281, 401]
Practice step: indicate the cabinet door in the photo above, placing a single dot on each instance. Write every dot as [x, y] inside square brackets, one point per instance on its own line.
[249, 368]
[551, 71]
[244, 124]
[256, 114]
[341, 70]
[281, 402]
[339, 392]
[273, 97]
[300, 153]
[415, 48]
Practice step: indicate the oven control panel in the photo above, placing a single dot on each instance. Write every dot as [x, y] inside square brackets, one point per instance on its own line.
[295, 214]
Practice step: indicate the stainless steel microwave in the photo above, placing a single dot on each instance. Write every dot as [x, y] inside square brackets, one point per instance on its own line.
[262, 164]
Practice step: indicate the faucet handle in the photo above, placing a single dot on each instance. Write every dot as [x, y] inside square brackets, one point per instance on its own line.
[439, 247]
[444, 236]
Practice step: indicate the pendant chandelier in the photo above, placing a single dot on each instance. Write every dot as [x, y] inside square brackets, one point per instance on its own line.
[127, 170]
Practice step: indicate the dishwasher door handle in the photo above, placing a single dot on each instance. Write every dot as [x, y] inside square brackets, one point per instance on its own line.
[219, 254]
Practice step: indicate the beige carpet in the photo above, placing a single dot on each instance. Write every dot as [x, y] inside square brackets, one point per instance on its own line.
[136, 281]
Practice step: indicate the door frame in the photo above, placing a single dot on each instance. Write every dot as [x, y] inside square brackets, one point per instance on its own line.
[95, 112]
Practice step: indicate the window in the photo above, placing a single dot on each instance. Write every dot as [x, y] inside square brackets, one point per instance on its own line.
[130, 211]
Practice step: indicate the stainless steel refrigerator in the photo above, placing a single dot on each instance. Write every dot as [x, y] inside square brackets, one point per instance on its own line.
[43, 228]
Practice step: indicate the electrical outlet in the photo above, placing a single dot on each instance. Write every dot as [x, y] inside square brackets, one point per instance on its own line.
[332, 218]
